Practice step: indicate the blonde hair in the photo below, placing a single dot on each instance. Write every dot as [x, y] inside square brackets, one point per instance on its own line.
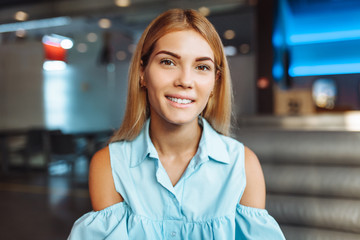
[218, 109]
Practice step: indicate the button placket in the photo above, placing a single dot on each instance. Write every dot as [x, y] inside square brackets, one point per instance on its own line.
[173, 233]
[163, 178]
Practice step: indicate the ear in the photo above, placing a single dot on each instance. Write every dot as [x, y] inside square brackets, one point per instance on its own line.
[217, 75]
[142, 73]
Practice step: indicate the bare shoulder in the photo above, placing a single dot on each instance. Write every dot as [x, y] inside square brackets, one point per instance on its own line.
[101, 183]
[255, 191]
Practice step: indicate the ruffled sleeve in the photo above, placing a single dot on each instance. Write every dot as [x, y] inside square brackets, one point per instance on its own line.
[256, 224]
[109, 223]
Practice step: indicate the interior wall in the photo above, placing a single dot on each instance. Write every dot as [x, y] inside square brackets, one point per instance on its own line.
[242, 70]
[21, 96]
[88, 96]
[92, 95]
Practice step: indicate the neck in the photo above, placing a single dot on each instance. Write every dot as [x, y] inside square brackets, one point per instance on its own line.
[173, 140]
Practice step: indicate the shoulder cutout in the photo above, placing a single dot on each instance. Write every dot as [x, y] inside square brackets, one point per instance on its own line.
[255, 191]
[101, 183]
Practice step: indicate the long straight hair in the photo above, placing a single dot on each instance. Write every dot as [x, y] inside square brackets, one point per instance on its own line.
[218, 109]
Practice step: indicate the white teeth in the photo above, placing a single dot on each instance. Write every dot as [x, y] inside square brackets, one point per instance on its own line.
[179, 100]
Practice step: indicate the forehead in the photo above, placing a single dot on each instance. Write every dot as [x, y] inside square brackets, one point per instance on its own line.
[184, 43]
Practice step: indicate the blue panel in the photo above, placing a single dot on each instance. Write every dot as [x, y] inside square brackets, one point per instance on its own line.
[322, 37]
[278, 71]
[330, 69]
[325, 59]
[319, 37]
[322, 25]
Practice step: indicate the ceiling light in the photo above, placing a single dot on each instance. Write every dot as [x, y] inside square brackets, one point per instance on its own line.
[54, 65]
[205, 11]
[121, 55]
[35, 24]
[229, 34]
[66, 43]
[230, 51]
[21, 16]
[244, 48]
[92, 37]
[122, 3]
[104, 23]
[58, 41]
[21, 33]
[82, 47]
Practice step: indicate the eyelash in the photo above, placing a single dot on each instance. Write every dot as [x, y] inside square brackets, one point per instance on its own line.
[169, 62]
[204, 66]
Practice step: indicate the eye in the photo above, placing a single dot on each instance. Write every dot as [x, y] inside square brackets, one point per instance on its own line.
[168, 62]
[203, 67]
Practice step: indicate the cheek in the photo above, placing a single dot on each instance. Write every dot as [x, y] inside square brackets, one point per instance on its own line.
[152, 92]
[208, 86]
[156, 77]
[154, 85]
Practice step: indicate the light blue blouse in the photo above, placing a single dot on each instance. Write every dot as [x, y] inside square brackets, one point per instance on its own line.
[204, 204]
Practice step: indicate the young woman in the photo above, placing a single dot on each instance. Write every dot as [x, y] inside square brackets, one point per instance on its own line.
[171, 171]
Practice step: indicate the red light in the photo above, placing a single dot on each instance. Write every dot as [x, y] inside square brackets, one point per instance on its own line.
[263, 83]
[54, 52]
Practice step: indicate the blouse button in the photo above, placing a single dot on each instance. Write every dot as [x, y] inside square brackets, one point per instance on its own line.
[173, 234]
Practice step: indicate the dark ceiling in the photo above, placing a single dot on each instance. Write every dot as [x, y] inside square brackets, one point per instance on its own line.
[225, 14]
[38, 9]
[12, 3]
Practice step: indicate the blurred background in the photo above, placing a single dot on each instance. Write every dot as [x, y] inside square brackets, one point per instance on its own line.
[295, 67]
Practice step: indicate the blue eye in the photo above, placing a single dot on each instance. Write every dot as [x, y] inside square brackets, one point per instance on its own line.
[167, 62]
[203, 68]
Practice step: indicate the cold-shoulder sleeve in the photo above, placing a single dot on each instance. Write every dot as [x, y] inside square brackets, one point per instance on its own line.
[256, 224]
[109, 223]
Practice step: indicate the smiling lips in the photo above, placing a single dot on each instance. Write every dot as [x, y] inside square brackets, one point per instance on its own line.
[180, 100]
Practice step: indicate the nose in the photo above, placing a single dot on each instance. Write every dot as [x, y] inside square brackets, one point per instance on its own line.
[185, 78]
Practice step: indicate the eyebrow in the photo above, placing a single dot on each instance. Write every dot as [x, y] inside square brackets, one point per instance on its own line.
[199, 59]
[204, 59]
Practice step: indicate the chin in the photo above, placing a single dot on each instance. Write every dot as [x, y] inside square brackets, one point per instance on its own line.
[181, 120]
[178, 117]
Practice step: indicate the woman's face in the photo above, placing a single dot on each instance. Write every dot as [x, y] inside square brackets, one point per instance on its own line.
[179, 77]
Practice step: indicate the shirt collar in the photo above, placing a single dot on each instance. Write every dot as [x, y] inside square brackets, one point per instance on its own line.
[211, 146]
[142, 147]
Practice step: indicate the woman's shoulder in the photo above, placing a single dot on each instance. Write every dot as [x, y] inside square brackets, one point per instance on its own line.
[101, 183]
[100, 162]
[255, 191]
[101, 156]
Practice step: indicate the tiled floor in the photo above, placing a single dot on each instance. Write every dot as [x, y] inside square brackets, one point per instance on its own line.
[37, 206]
